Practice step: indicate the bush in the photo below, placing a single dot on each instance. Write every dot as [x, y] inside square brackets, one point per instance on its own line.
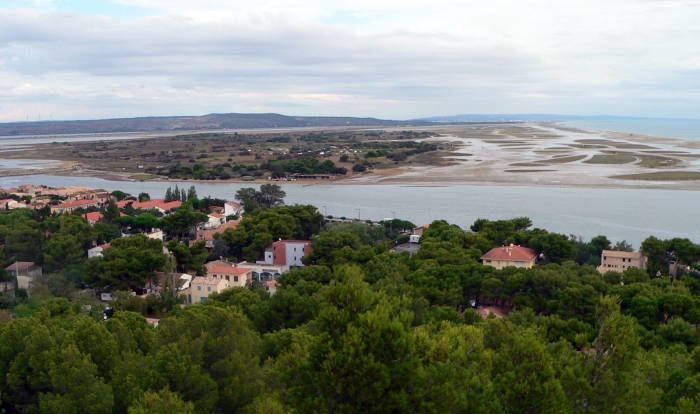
[358, 168]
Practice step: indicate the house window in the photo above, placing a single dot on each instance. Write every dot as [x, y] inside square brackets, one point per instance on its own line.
[275, 257]
[235, 278]
[208, 288]
[203, 298]
[227, 277]
[295, 249]
[199, 288]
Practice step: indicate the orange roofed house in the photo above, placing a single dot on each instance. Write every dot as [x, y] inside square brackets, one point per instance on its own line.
[512, 255]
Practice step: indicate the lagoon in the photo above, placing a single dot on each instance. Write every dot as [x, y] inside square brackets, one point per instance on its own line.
[628, 214]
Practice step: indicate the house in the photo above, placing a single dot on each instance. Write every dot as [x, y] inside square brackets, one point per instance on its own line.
[418, 231]
[157, 203]
[157, 235]
[231, 208]
[236, 276]
[215, 221]
[208, 235]
[619, 261]
[92, 218]
[25, 272]
[202, 287]
[287, 252]
[512, 255]
[97, 251]
[271, 286]
[5, 203]
[69, 206]
[262, 271]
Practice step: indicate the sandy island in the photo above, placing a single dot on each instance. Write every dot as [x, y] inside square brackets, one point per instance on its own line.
[532, 154]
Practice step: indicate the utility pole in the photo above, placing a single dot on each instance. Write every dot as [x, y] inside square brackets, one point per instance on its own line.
[391, 225]
[358, 214]
[325, 212]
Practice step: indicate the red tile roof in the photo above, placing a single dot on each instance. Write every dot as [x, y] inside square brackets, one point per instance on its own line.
[225, 270]
[94, 216]
[217, 215]
[292, 241]
[233, 204]
[512, 253]
[20, 266]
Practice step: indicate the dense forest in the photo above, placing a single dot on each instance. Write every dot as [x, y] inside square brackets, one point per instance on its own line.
[359, 329]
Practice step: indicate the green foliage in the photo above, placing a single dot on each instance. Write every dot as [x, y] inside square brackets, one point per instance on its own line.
[260, 228]
[128, 263]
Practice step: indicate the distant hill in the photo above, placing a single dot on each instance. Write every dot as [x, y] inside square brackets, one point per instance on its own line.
[520, 117]
[190, 123]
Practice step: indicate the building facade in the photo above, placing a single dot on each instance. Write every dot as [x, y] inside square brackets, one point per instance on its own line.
[287, 252]
[618, 261]
[202, 287]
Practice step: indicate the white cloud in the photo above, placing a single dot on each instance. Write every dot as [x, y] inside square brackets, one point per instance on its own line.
[380, 58]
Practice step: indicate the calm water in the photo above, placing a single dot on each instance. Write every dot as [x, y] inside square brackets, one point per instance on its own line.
[670, 128]
[618, 213]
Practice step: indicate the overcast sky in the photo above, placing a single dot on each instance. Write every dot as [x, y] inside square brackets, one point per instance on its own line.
[83, 59]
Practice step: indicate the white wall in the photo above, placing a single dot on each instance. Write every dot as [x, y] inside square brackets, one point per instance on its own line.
[295, 252]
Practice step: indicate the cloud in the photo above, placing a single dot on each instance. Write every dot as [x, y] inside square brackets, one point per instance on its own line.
[387, 59]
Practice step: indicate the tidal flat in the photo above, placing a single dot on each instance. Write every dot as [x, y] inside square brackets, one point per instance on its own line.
[533, 154]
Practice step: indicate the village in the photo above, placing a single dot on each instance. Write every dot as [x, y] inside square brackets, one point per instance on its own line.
[220, 273]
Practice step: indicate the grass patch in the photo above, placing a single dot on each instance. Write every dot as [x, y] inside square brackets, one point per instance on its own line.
[627, 145]
[141, 177]
[526, 164]
[564, 159]
[661, 176]
[593, 146]
[528, 171]
[611, 159]
[652, 161]
[549, 152]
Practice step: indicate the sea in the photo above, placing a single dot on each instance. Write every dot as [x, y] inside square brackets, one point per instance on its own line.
[668, 128]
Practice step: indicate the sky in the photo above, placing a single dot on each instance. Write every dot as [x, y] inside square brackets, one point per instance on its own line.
[73, 59]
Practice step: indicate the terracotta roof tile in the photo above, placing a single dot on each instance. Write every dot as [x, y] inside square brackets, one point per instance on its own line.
[514, 253]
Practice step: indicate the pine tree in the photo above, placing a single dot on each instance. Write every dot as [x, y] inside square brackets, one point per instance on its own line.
[168, 195]
[191, 194]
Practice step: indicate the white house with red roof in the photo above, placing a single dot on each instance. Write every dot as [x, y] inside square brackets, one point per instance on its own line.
[231, 208]
[97, 251]
[287, 252]
[93, 217]
[516, 256]
[216, 220]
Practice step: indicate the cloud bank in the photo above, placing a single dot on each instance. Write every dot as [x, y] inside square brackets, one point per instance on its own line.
[384, 58]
